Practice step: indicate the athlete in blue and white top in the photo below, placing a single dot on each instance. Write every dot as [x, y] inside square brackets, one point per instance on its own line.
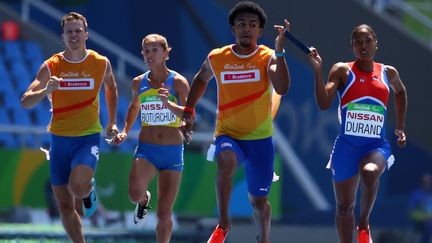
[158, 96]
[361, 151]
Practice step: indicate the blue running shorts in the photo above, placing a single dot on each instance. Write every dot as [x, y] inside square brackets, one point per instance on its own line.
[346, 157]
[68, 152]
[257, 157]
[163, 157]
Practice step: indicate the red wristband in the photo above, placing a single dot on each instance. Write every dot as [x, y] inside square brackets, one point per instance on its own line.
[189, 110]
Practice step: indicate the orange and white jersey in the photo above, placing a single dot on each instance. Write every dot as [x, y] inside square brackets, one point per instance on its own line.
[244, 92]
[75, 104]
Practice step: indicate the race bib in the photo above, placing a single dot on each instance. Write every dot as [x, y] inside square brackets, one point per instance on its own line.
[156, 113]
[364, 120]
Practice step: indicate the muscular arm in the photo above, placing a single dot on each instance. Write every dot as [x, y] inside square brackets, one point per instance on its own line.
[279, 75]
[325, 94]
[134, 105]
[111, 97]
[278, 71]
[199, 84]
[401, 101]
[132, 113]
[38, 89]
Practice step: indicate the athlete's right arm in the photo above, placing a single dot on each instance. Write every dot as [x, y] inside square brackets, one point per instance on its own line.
[325, 93]
[111, 98]
[40, 87]
[199, 86]
[324, 97]
[132, 113]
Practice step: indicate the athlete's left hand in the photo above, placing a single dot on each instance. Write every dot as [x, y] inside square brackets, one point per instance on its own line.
[118, 139]
[186, 124]
[111, 130]
[280, 37]
[315, 59]
[401, 141]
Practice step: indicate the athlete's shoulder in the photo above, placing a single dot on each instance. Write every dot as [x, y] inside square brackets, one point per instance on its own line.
[221, 50]
[96, 56]
[390, 71]
[54, 60]
[342, 66]
[265, 48]
[264, 51]
[340, 71]
[379, 64]
[178, 77]
[389, 68]
[174, 74]
[56, 57]
[140, 77]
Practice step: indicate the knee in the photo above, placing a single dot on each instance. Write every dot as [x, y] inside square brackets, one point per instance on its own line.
[164, 216]
[370, 177]
[259, 203]
[79, 189]
[226, 167]
[344, 209]
[66, 207]
[135, 194]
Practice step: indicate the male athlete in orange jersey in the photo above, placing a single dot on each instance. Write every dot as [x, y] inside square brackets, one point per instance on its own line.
[72, 80]
[246, 74]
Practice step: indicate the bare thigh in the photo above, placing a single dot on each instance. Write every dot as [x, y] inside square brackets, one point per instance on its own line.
[140, 175]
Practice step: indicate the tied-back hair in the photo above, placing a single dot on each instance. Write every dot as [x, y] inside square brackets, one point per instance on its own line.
[158, 38]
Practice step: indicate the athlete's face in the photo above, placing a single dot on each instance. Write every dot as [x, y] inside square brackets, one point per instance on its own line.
[364, 45]
[74, 35]
[153, 53]
[246, 29]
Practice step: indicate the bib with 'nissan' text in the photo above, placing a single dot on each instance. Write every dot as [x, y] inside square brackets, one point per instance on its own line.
[154, 112]
[364, 120]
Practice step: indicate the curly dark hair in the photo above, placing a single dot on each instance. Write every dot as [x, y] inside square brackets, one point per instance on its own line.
[247, 7]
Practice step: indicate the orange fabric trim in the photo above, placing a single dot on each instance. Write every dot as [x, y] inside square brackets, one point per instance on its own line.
[242, 100]
[74, 106]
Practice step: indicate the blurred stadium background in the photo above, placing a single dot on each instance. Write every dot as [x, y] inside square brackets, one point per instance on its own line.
[302, 200]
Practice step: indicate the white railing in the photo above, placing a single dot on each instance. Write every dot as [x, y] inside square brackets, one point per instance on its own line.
[300, 173]
[123, 57]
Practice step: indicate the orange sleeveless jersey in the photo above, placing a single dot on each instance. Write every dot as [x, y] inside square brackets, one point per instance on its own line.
[244, 93]
[76, 103]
